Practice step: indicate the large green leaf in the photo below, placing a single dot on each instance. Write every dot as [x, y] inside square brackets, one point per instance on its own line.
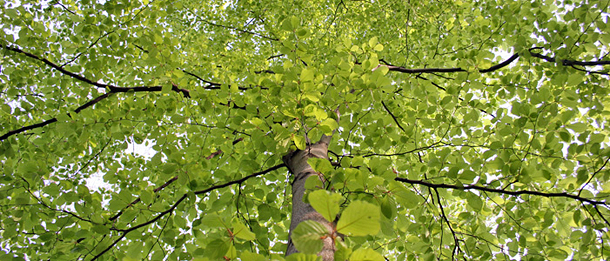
[359, 219]
[308, 235]
[326, 203]
[366, 254]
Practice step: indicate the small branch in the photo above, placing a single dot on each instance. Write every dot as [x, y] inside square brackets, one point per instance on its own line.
[49, 121]
[92, 158]
[393, 117]
[239, 181]
[500, 65]
[171, 209]
[456, 247]
[502, 191]
[394, 68]
[602, 216]
[87, 49]
[593, 176]
[57, 210]
[459, 98]
[137, 200]
[211, 85]
[239, 30]
[167, 183]
[433, 145]
[109, 247]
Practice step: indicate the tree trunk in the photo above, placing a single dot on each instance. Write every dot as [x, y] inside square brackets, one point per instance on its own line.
[297, 164]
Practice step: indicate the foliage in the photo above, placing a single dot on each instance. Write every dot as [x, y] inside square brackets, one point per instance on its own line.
[155, 129]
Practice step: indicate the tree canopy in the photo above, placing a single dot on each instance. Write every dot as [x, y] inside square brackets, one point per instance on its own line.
[158, 130]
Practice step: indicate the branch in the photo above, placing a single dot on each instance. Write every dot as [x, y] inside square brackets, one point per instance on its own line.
[109, 247]
[456, 247]
[171, 209]
[167, 183]
[211, 85]
[565, 62]
[239, 181]
[49, 121]
[502, 191]
[239, 30]
[113, 89]
[593, 176]
[433, 145]
[393, 117]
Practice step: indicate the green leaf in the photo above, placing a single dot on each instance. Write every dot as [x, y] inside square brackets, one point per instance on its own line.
[326, 203]
[217, 249]
[307, 236]
[388, 208]
[359, 219]
[366, 254]
[213, 221]
[578, 127]
[170, 168]
[241, 231]
[373, 42]
[306, 75]
[303, 257]
[247, 255]
[474, 201]
[328, 125]
[166, 88]
[299, 141]
[320, 165]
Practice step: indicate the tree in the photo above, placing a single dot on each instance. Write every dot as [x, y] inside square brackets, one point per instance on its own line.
[351, 130]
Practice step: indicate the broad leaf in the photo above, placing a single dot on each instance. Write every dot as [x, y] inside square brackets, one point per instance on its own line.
[359, 219]
[325, 203]
[307, 236]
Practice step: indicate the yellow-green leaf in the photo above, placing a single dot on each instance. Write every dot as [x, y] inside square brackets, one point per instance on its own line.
[359, 219]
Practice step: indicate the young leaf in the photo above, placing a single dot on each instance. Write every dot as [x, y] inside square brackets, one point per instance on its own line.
[299, 141]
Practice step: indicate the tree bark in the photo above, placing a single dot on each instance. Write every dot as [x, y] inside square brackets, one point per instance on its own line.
[296, 162]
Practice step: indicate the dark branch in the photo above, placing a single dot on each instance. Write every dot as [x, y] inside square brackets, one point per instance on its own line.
[239, 30]
[109, 247]
[112, 88]
[49, 121]
[565, 62]
[239, 181]
[393, 117]
[593, 176]
[167, 183]
[500, 65]
[502, 191]
[171, 209]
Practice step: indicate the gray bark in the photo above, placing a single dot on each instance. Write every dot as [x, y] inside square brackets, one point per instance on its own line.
[297, 164]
